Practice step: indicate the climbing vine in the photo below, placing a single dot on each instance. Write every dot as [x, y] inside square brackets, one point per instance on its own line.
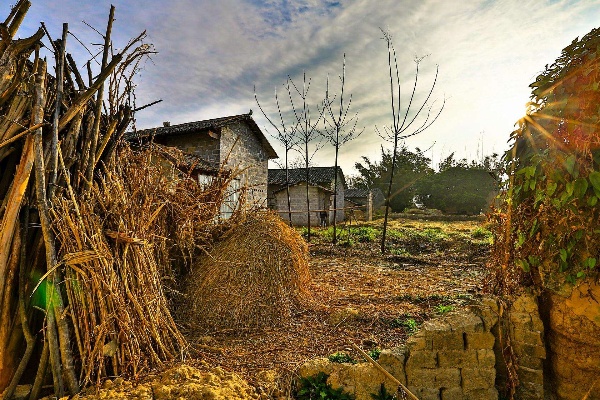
[547, 230]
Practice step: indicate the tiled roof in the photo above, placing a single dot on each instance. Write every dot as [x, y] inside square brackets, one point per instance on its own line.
[215, 123]
[318, 176]
[353, 192]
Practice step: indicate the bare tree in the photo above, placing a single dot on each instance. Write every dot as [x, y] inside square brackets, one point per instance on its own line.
[339, 130]
[402, 126]
[286, 135]
[307, 132]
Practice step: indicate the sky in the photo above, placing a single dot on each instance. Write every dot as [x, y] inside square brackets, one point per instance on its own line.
[211, 54]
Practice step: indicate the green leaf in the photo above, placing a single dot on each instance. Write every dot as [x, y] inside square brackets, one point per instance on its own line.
[563, 255]
[592, 201]
[551, 188]
[595, 179]
[581, 186]
[570, 188]
[580, 274]
[570, 164]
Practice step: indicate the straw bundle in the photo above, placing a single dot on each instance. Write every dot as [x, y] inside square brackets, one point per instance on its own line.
[117, 245]
[257, 276]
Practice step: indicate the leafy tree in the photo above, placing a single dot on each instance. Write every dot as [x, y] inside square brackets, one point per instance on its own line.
[409, 167]
[458, 190]
[460, 186]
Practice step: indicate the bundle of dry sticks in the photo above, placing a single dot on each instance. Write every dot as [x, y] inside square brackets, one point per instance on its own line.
[82, 238]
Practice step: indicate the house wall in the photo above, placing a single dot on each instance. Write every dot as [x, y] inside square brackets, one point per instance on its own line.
[246, 154]
[194, 143]
[318, 200]
[241, 149]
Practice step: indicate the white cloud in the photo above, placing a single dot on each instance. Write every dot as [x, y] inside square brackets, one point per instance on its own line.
[212, 53]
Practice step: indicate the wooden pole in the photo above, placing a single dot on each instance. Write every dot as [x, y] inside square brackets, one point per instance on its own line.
[383, 371]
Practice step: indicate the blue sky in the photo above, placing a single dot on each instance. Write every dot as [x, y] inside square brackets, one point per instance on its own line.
[212, 53]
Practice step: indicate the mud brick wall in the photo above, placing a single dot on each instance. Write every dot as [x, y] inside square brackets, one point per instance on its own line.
[453, 358]
[457, 356]
[449, 358]
[526, 333]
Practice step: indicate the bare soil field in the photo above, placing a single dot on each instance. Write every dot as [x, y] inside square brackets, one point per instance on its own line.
[361, 296]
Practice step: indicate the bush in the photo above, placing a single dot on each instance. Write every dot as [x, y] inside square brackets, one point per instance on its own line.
[547, 227]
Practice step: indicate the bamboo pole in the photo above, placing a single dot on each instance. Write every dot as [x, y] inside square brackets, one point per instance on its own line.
[383, 371]
[99, 99]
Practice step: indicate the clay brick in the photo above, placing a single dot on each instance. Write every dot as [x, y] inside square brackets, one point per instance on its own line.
[527, 336]
[421, 378]
[422, 359]
[457, 359]
[447, 377]
[435, 325]
[529, 350]
[529, 391]
[465, 322]
[525, 303]
[484, 340]
[393, 362]
[454, 393]
[530, 362]
[478, 378]
[530, 375]
[536, 323]
[425, 393]
[420, 342]
[481, 394]
[522, 320]
[448, 341]
[486, 358]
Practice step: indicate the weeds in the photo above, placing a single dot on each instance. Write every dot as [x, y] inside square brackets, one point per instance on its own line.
[407, 322]
[341, 357]
[316, 387]
[443, 309]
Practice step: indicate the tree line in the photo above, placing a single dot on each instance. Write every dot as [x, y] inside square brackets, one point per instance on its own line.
[457, 186]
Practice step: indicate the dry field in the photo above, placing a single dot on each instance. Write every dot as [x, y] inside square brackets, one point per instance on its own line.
[361, 296]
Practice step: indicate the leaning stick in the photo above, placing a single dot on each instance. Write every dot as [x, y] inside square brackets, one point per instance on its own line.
[383, 371]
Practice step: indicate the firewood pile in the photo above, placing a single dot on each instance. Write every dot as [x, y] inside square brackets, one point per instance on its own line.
[89, 228]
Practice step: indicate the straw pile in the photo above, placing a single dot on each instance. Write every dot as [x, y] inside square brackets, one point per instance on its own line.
[92, 235]
[257, 276]
[118, 245]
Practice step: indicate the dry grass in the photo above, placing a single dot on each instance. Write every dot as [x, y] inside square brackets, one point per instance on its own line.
[256, 276]
[122, 245]
[364, 298]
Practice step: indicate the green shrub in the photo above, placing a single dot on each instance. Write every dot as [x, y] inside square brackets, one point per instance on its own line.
[316, 388]
[341, 357]
[374, 354]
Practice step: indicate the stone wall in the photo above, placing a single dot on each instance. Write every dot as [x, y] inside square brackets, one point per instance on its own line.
[449, 358]
[573, 341]
[319, 200]
[241, 149]
[458, 356]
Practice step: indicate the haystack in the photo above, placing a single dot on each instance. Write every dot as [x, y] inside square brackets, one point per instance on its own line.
[256, 276]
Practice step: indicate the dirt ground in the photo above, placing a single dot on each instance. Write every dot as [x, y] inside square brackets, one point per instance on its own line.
[361, 296]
